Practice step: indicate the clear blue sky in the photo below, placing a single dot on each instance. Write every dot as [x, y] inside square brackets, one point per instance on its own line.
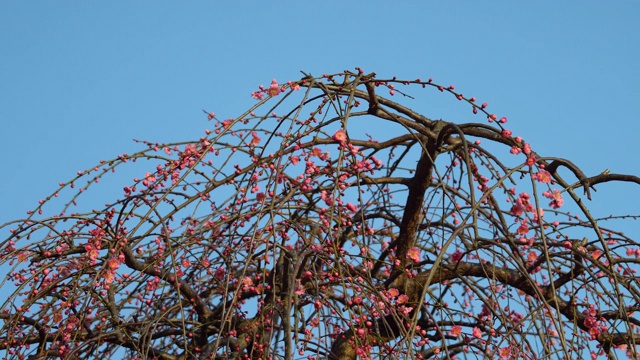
[80, 80]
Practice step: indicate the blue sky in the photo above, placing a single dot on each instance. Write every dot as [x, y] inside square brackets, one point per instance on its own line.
[80, 80]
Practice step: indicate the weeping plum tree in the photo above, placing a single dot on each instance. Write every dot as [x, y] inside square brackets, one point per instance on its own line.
[326, 222]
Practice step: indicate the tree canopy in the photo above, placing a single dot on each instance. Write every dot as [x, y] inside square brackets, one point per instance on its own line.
[327, 221]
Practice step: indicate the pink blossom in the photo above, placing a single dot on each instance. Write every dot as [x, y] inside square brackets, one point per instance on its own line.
[517, 209]
[542, 176]
[326, 197]
[108, 277]
[556, 198]
[316, 151]
[531, 160]
[522, 204]
[590, 321]
[340, 135]
[255, 140]
[456, 330]
[523, 229]
[299, 288]
[414, 254]
[92, 252]
[113, 263]
[456, 256]
[227, 123]
[477, 333]
[219, 274]
[258, 95]
[595, 332]
[404, 310]
[274, 88]
[485, 312]
[539, 214]
[505, 352]
[294, 86]
[402, 299]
